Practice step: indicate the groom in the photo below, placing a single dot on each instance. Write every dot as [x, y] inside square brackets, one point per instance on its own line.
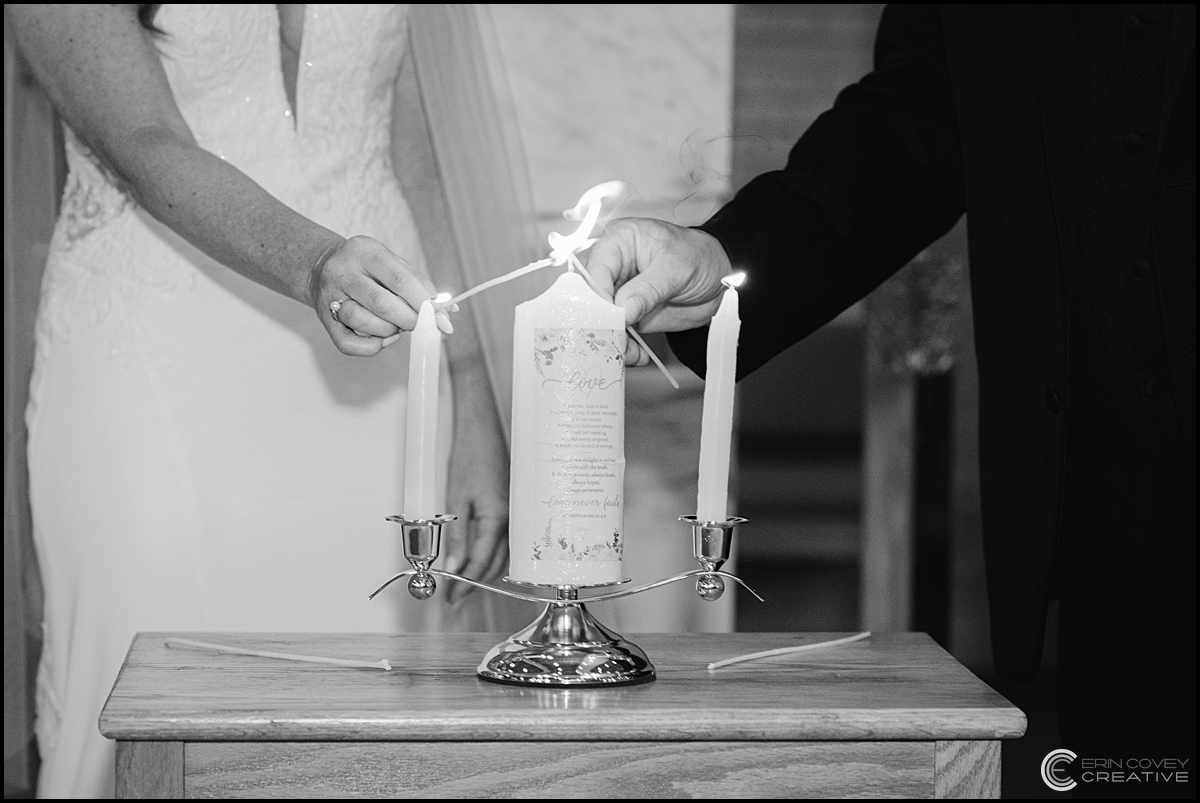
[1067, 135]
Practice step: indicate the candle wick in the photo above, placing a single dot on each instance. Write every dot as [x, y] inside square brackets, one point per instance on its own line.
[734, 280]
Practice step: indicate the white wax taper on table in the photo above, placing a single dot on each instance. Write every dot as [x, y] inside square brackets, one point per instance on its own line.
[716, 422]
[820, 645]
[383, 663]
[420, 445]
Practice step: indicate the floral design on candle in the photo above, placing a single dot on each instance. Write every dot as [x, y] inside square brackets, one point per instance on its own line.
[574, 344]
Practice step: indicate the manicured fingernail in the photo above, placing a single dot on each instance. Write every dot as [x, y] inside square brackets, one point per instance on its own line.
[443, 322]
[387, 341]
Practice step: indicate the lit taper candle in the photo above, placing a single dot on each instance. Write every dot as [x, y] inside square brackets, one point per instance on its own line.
[420, 445]
[716, 423]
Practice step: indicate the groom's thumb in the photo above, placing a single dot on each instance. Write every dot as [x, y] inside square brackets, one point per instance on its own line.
[643, 294]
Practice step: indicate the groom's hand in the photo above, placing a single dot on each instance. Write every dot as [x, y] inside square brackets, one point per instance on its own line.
[668, 278]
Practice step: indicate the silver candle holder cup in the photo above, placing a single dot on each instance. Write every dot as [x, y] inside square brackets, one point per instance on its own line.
[422, 542]
[711, 542]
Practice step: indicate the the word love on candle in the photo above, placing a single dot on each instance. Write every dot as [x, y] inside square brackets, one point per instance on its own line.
[420, 445]
[716, 422]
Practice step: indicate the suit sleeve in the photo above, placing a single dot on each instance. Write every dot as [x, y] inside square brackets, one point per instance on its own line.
[872, 182]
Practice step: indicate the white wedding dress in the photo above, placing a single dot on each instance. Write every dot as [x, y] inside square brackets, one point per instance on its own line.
[201, 457]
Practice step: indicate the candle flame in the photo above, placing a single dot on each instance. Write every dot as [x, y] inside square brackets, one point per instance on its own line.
[734, 280]
[592, 197]
[587, 211]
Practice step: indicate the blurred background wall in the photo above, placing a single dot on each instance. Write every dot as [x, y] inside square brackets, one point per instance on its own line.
[800, 426]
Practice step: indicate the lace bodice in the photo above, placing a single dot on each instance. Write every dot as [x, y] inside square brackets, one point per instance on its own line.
[331, 160]
[223, 65]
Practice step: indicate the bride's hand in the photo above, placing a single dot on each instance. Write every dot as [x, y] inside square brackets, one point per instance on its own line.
[365, 295]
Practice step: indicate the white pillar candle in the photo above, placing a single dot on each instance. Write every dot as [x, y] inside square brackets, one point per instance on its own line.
[716, 422]
[568, 438]
[420, 445]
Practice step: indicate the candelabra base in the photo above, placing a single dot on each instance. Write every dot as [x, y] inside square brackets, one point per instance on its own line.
[566, 647]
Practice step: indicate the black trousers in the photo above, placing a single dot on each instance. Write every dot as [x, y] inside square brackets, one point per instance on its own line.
[1127, 630]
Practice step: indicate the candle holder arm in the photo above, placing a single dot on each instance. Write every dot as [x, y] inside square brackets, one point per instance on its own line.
[461, 579]
[422, 540]
[667, 581]
[598, 598]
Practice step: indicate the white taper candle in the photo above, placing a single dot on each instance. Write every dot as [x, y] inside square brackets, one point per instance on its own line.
[716, 423]
[420, 446]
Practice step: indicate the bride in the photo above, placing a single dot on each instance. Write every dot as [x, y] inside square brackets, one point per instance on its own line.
[207, 448]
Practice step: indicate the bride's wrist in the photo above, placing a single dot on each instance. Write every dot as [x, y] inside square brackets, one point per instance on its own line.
[321, 253]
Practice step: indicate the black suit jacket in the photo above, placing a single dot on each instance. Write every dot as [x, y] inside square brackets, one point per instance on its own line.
[1067, 136]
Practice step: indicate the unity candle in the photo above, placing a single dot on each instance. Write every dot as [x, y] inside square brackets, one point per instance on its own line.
[716, 421]
[420, 445]
[568, 438]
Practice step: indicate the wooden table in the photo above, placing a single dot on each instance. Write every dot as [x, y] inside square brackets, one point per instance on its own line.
[893, 715]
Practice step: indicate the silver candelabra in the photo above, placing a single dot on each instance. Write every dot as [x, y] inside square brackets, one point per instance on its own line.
[566, 646]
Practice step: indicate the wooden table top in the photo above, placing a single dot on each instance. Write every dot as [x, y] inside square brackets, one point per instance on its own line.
[891, 686]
